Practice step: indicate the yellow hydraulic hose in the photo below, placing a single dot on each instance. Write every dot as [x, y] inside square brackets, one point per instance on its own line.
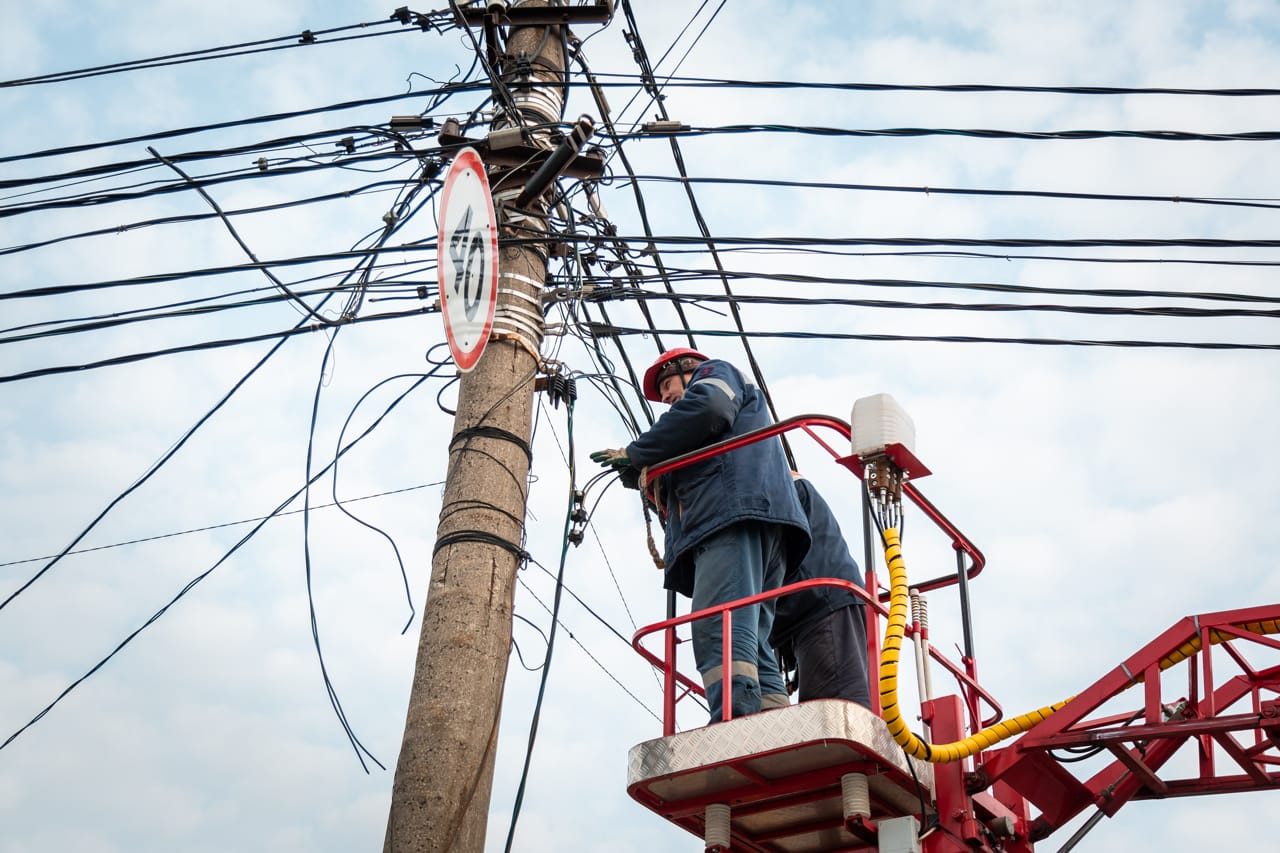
[1192, 646]
[943, 752]
[914, 746]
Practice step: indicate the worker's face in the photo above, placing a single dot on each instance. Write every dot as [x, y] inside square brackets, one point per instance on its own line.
[672, 388]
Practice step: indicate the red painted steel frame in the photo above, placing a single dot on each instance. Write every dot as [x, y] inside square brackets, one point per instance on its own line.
[1028, 773]
[671, 673]
[967, 677]
[806, 423]
[1143, 741]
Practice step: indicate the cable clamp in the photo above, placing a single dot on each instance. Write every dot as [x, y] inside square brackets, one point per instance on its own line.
[664, 128]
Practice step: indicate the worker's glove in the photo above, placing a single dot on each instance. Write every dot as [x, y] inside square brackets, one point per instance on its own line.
[629, 476]
[618, 461]
[611, 458]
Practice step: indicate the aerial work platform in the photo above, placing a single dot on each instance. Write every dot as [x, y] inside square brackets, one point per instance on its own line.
[828, 775]
[780, 773]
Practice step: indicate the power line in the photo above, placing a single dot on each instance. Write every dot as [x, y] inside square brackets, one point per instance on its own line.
[973, 133]
[306, 38]
[199, 346]
[200, 577]
[998, 307]
[624, 80]
[602, 331]
[967, 191]
[624, 293]
[223, 524]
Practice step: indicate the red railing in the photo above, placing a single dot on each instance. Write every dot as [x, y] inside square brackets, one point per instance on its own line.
[964, 673]
[672, 675]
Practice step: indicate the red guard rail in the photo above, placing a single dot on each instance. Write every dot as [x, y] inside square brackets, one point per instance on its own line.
[966, 675]
[671, 675]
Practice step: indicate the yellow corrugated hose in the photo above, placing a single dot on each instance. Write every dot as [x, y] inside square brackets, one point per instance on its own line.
[943, 752]
[933, 752]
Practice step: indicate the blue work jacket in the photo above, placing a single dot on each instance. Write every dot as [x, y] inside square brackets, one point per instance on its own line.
[752, 483]
[828, 557]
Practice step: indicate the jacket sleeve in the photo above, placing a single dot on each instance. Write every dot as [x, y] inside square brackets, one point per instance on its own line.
[709, 407]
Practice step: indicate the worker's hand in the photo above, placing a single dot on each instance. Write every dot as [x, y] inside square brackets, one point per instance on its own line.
[618, 461]
[629, 476]
[611, 458]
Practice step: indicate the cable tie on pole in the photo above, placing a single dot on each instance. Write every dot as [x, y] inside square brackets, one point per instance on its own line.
[483, 537]
[493, 432]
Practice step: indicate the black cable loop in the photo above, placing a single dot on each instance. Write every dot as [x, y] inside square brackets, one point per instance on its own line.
[492, 432]
[483, 537]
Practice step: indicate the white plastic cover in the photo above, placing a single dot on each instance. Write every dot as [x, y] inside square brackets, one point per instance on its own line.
[878, 421]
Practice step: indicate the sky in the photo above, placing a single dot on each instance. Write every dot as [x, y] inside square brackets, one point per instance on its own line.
[1113, 490]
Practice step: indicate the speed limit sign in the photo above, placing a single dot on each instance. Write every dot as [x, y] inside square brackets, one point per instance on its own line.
[468, 258]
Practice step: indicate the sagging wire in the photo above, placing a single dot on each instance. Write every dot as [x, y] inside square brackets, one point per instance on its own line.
[221, 525]
[360, 749]
[580, 644]
[200, 577]
[297, 300]
[516, 646]
[551, 636]
[404, 575]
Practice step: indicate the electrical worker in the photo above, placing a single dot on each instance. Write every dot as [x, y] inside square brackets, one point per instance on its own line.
[733, 522]
[824, 629]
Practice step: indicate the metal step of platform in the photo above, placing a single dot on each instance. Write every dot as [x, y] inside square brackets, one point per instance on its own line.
[779, 771]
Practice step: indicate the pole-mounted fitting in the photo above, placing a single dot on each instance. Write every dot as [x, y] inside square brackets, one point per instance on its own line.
[557, 161]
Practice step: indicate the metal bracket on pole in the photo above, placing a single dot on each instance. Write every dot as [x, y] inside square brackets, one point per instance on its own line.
[498, 11]
[497, 150]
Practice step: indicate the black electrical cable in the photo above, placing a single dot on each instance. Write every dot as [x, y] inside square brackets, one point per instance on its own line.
[962, 339]
[972, 133]
[156, 466]
[307, 309]
[345, 139]
[198, 578]
[158, 189]
[341, 504]
[185, 309]
[641, 58]
[1135, 311]
[1012, 242]
[199, 217]
[967, 191]
[448, 89]
[588, 653]
[360, 749]
[551, 637]
[426, 246]
[624, 80]
[516, 645]
[641, 208]
[130, 358]
[220, 525]
[497, 433]
[306, 38]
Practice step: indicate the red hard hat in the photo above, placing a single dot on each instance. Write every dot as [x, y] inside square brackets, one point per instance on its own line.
[651, 376]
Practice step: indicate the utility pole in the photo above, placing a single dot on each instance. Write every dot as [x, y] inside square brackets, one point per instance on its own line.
[444, 774]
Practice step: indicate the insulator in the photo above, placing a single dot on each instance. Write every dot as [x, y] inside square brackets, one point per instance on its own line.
[855, 795]
[717, 823]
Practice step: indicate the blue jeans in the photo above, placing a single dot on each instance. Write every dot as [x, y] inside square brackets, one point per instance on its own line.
[739, 561]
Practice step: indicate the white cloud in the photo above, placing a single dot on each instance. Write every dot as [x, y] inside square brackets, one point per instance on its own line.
[1112, 491]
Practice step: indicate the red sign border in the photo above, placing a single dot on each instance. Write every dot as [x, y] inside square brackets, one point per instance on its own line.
[467, 158]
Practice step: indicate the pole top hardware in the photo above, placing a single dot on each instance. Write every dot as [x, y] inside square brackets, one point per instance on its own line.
[586, 166]
[599, 12]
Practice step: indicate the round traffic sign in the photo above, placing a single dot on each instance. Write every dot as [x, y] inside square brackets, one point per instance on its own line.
[468, 258]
